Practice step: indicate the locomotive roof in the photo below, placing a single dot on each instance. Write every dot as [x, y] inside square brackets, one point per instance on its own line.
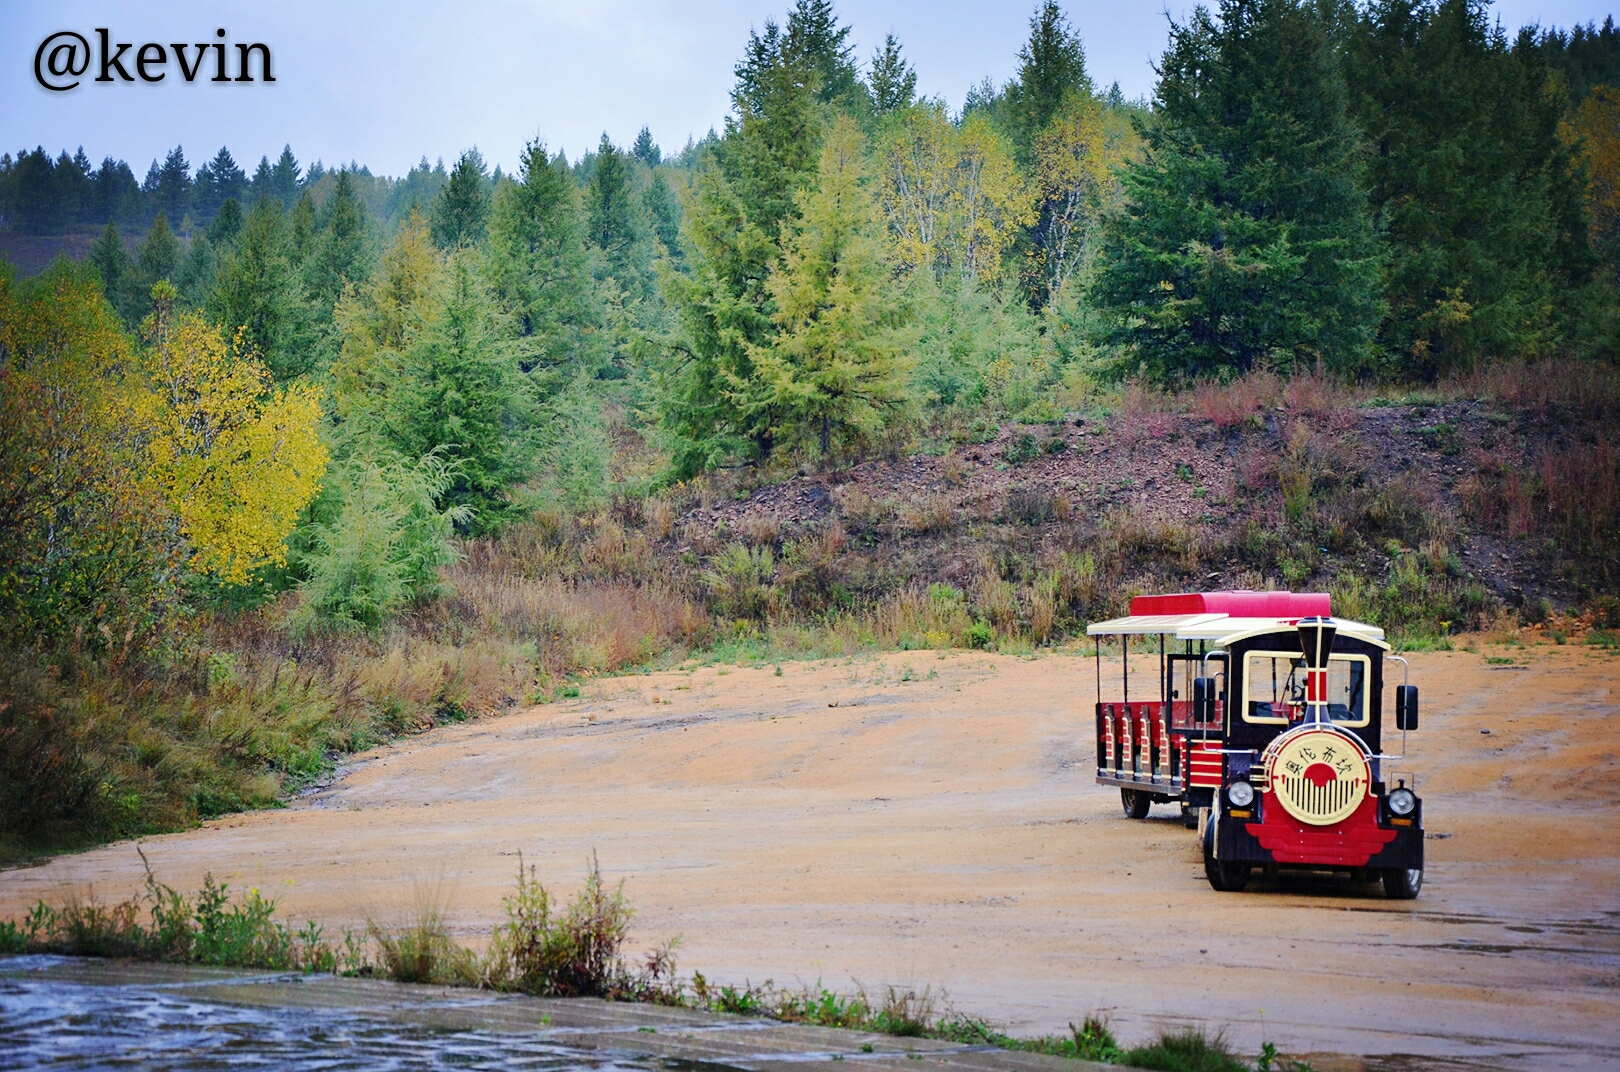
[1221, 628]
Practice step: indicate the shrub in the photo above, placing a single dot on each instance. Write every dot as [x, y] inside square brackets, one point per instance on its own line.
[740, 582]
[1023, 448]
[1185, 1051]
[576, 953]
[423, 951]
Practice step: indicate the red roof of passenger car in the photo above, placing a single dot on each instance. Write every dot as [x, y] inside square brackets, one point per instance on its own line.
[1237, 604]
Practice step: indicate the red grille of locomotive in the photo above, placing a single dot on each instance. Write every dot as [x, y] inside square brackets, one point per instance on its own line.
[1348, 844]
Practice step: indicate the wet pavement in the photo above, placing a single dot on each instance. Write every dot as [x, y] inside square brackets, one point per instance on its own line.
[62, 1012]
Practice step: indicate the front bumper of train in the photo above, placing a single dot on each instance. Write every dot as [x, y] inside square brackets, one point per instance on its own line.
[1264, 834]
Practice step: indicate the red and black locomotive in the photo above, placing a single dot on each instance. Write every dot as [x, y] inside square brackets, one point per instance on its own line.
[1265, 722]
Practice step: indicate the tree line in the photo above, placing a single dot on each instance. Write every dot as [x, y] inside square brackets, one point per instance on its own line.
[1392, 189]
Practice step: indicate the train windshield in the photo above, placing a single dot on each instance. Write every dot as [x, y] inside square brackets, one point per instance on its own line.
[1274, 687]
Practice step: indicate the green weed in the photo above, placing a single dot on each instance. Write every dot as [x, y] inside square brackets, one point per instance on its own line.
[1185, 1051]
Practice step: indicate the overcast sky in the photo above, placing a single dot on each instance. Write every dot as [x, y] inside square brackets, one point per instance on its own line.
[385, 83]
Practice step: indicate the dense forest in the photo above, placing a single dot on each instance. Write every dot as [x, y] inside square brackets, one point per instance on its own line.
[282, 441]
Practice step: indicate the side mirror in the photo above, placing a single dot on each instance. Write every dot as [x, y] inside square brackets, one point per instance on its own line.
[1203, 699]
[1406, 707]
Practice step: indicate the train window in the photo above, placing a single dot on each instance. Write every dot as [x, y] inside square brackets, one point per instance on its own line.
[1274, 681]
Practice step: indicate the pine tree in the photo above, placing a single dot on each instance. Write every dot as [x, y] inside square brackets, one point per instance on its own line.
[540, 269]
[37, 204]
[461, 211]
[459, 399]
[834, 368]
[197, 272]
[116, 192]
[173, 193]
[646, 150]
[338, 252]
[157, 258]
[1468, 181]
[664, 209]
[893, 81]
[284, 177]
[263, 184]
[784, 85]
[337, 258]
[73, 185]
[107, 254]
[1051, 73]
[301, 228]
[1587, 56]
[611, 213]
[259, 292]
[227, 224]
[1247, 236]
[218, 181]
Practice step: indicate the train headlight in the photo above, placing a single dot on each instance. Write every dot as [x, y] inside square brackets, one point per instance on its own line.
[1402, 802]
[1242, 794]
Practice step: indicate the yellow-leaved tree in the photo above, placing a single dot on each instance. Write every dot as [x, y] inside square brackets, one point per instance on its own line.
[1596, 125]
[81, 550]
[952, 198]
[991, 202]
[918, 156]
[233, 458]
[1077, 160]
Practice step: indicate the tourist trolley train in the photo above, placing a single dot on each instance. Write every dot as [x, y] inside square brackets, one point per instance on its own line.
[1266, 725]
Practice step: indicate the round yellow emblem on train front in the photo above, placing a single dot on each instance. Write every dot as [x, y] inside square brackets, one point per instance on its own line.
[1320, 777]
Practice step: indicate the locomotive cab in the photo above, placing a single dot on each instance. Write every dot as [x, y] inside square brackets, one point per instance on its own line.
[1269, 730]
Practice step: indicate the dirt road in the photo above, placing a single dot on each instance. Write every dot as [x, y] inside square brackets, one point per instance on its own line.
[930, 820]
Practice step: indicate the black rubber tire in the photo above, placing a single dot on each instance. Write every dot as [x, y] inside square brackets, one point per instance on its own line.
[1224, 876]
[1189, 816]
[1402, 883]
[1135, 802]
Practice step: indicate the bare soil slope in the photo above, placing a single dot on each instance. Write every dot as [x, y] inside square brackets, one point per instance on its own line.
[930, 820]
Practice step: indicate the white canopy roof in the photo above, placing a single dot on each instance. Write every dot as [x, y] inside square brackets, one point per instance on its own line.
[1221, 628]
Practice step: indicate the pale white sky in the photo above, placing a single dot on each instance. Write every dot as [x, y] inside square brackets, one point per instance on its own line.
[385, 83]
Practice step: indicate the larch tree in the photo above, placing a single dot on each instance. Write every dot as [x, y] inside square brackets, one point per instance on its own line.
[723, 310]
[1595, 127]
[835, 367]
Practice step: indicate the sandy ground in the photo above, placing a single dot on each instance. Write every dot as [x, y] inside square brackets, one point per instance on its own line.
[927, 820]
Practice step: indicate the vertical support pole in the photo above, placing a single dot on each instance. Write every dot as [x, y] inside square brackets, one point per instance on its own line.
[1164, 685]
[1099, 669]
[1125, 661]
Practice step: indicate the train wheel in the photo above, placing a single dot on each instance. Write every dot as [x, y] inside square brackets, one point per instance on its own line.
[1403, 883]
[1135, 803]
[1189, 816]
[1224, 875]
